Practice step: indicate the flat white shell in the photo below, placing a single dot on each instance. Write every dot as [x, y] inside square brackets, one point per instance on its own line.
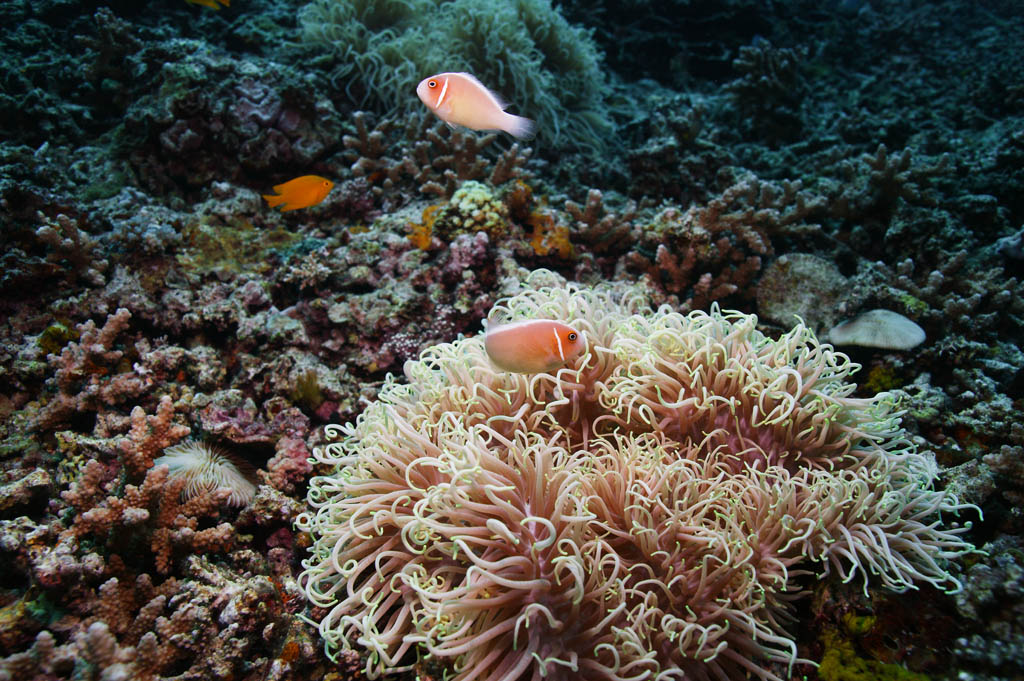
[878, 329]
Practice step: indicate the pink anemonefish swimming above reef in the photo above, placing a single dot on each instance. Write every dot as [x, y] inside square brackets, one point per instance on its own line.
[212, 4]
[302, 192]
[461, 99]
[533, 346]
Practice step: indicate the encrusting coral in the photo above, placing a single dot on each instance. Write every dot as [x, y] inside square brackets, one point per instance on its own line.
[652, 510]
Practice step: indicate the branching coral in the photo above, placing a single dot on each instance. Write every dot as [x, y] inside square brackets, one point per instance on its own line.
[152, 510]
[86, 374]
[59, 249]
[602, 230]
[711, 252]
[435, 159]
[770, 88]
[647, 512]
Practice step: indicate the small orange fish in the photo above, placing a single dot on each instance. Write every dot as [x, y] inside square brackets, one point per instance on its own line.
[533, 346]
[302, 192]
[461, 99]
[212, 4]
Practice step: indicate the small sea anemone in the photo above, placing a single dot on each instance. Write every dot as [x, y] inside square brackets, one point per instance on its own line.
[650, 511]
[207, 468]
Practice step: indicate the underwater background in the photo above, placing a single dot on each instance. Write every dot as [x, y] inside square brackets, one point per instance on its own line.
[800, 161]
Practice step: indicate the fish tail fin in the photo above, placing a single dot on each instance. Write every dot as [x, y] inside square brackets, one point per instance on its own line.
[273, 199]
[517, 126]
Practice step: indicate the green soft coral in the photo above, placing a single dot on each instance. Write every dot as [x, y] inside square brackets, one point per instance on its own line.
[525, 50]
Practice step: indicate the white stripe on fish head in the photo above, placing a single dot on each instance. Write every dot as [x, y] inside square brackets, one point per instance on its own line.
[444, 91]
[558, 341]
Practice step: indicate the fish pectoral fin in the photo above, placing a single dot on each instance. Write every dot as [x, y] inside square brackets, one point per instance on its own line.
[447, 109]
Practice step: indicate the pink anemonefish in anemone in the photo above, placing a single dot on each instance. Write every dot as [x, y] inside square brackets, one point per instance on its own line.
[461, 99]
[212, 4]
[302, 192]
[533, 346]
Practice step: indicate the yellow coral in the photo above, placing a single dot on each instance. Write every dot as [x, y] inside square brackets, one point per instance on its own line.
[549, 235]
[881, 378]
[420, 233]
[842, 663]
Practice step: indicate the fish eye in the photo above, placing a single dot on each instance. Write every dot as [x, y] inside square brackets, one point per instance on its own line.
[432, 83]
[572, 336]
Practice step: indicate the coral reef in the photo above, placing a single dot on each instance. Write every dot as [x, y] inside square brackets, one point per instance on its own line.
[649, 509]
[807, 158]
[127, 564]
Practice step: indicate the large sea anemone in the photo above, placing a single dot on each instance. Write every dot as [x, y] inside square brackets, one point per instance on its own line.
[650, 511]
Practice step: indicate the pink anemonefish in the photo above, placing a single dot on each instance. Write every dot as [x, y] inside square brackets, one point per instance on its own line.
[461, 99]
[302, 192]
[533, 346]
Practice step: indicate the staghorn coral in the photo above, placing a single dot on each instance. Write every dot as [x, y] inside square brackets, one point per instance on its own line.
[957, 294]
[120, 516]
[87, 374]
[650, 511]
[875, 182]
[771, 88]
[152, 511]
[57, 251]
[972, 311]
[122, 578]
[603, 231]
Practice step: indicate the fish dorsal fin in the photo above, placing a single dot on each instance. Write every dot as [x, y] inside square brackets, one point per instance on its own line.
[495, 319]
